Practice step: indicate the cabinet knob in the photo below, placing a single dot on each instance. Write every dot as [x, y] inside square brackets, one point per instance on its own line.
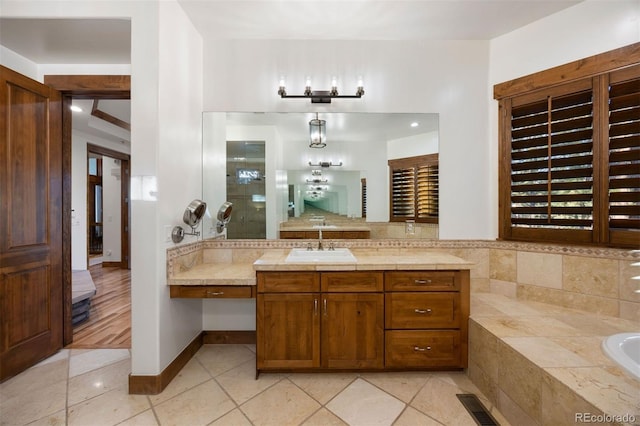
[419, 349]
[422, 311]
[215, 293]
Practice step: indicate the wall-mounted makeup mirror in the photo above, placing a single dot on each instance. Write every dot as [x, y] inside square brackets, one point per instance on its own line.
[262, 163]
[223, 216]
[192, 216]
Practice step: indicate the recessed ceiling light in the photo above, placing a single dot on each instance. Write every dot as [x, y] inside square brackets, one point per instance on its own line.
[415, 124]
[75, 108]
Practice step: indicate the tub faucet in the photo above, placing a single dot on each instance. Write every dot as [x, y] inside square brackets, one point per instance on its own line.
[320, 240]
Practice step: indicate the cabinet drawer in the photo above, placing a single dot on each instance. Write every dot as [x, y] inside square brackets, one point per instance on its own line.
[422, 281]
[288, 282]
[422, 310]
[352, 281]
[212, 291]
[423, 349]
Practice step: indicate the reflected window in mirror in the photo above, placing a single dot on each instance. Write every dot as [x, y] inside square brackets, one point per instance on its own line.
[414, 189]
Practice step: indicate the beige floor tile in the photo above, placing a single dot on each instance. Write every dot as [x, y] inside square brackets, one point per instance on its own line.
[218, 359]
[438, 400]
[361, 403]
[324, 417]
[191, 375]
[323, 387]
[412, 417]
[109, 408]
[36, 403]
[200, 405]
[97, 382]
[403, 386]
[241, 384]
[85, 361]
[61, 355]
[232, 418]
[146, 418]
[33, 379]
[56, 419]
[282, 404]
[460, 380]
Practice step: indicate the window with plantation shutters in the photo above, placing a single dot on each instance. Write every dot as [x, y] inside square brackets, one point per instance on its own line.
[552, 161]
[570, 153]
[414, 189]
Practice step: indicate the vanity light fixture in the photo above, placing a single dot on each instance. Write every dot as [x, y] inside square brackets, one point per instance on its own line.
[325, 164]
[321, 96]
[317, 180]
[317, 133]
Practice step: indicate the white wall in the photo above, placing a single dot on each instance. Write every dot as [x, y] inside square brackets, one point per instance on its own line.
[166, 105]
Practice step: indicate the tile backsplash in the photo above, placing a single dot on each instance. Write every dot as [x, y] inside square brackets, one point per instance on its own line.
[597, 280]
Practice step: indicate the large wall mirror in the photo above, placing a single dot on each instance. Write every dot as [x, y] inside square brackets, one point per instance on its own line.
[278, 174]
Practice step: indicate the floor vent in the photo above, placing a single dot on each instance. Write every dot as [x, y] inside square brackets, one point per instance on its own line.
[477, 410]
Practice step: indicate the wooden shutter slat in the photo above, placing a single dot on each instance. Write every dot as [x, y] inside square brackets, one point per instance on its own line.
[629, 141]
[624, 88]
[622, 115]
[581, 135]
[574, 124]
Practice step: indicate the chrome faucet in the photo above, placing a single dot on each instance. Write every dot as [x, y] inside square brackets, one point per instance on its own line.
[320, 240]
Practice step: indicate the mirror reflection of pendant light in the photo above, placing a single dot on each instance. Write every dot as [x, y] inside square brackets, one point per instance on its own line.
[317, 133]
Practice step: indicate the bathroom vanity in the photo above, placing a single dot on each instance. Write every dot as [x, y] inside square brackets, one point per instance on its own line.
[381, 312]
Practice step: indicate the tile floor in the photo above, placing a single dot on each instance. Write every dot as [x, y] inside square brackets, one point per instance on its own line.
[218, 387]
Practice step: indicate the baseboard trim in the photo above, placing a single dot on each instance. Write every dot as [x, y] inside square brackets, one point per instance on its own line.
[229, 337]
[111, 264]
[153, 385]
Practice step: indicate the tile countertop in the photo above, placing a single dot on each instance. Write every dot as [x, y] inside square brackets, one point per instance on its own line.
[366, 261]
[216, 274]
[245, 273]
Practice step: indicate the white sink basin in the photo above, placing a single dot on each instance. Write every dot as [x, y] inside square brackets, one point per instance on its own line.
[325, 226]
[302, 255]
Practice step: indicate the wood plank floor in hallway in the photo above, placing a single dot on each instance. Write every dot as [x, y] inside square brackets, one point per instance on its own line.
[109, 323]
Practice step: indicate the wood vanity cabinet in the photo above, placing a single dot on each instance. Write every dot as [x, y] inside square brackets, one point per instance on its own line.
[374, 320]
[332, 320]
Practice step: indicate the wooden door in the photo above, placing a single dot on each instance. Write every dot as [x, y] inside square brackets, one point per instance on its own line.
[288, 330]
[31, 284]
[352, 330]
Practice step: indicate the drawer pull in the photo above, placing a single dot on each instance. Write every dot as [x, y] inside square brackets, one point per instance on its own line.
[215, 293]
[422, 281]
[422, 311]
[419, 349]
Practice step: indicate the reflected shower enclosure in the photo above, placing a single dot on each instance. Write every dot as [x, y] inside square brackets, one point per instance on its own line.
[246, 189]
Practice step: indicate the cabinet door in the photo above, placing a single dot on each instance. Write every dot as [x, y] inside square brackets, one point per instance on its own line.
[288, 331]
[352, 330]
